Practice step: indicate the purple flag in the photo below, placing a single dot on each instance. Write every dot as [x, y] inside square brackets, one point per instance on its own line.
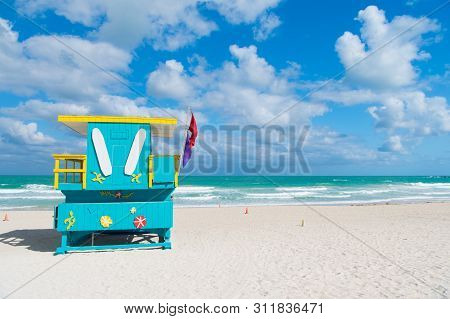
[187, 152]
[190, 141]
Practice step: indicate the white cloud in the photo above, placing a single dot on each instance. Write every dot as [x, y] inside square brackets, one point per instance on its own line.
[166, 25]
[293, 70]
[42, 64]
[253, 70]
[388, 80]
[119, 105]
[43, 110]
[238, 11]
[393, 144]
[18, 139]
[405, 115]
[169, 80]
[104, 105]
[325, 146]
[344, 95]
[266, 24]
[86, 12]
[392, 65]
[25, 148]
[243, 90]
[19, 132]
[413, 112]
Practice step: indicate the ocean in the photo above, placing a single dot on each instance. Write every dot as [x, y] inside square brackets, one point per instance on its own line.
[36, 192]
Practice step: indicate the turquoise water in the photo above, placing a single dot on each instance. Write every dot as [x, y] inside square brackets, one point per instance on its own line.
[35, 192]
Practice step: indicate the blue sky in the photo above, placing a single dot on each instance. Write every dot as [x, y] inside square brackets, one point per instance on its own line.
[234, 62]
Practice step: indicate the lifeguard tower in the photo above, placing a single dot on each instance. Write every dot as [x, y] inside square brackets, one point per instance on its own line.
[118, 187]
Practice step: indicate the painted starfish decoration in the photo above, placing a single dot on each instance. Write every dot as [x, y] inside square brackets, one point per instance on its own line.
[135, 178]
[98, 178]
[133, 210]
[70, 221]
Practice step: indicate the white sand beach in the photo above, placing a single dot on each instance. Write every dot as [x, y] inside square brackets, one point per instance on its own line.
[377, 251]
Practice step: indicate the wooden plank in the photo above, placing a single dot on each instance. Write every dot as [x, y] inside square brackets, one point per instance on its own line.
[64, 248]
[68, 170]
[150, 171]
[69, 156]
[84, 173]
[116, 119]
[56, 179]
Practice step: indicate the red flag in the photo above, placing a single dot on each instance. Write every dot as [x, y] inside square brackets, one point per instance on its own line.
[193, 130]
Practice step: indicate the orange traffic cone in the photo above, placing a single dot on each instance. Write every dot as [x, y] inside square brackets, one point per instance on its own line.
[246, 211]
[5, 219]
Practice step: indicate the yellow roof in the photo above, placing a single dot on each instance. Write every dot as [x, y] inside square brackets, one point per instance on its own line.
[161, 126]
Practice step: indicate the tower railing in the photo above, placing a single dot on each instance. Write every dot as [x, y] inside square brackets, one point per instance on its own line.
[151, 168]
[69, 169]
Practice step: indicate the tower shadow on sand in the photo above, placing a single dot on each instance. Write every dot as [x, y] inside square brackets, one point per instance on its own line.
[42, 240]
[47, 240]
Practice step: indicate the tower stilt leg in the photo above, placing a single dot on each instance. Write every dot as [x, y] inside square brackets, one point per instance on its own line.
[63, 248]
[167, 239]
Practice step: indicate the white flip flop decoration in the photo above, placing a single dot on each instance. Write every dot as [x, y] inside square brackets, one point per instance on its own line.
[102, 152]
[135, 151]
